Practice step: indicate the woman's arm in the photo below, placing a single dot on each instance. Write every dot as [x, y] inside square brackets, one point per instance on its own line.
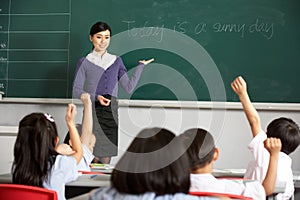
[129, 84]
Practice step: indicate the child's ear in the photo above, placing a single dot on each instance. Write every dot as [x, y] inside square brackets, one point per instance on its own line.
[56, 141]
[216, 154]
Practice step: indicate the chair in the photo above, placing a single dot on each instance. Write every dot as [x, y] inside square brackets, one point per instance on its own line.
[25, 192]
[210, 194]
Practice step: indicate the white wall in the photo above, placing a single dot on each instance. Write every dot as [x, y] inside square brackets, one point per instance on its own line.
[226, 121]
[13, 110]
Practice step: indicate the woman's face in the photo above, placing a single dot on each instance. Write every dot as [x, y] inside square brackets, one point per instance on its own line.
[101, 41]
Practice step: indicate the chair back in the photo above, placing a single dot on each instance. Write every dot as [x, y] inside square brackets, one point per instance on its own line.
[217, 194]
[25, 192]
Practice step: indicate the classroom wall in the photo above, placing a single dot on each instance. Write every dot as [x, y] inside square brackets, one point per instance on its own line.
[226, 121]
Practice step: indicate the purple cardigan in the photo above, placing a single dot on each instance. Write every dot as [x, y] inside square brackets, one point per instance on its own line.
[96, 81]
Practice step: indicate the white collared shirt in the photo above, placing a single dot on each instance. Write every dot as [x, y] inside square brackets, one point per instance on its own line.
[104, 61]
[257, 168]
[208, 183]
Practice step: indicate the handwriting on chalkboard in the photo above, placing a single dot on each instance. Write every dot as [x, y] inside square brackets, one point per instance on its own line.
[2, 45]
[266, 29]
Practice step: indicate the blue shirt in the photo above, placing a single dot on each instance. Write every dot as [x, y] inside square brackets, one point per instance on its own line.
[109, 193]
[87, 158]
[63, 171]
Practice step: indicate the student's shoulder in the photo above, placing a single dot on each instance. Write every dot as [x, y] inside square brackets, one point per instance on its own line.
[258, 139]
[284, 163]
[65, 161]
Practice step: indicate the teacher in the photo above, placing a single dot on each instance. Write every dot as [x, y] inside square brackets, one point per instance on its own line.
[99, 74]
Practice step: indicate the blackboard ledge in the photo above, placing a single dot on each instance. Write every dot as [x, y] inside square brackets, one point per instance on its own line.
[8, 130]
[39, 100]
[163, 104]
[207, 105]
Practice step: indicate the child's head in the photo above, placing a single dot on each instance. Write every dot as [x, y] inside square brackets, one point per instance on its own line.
[92, 141]
[287, 131]
[154, 162]
[200, 146]
[34, 150]
[67, 139]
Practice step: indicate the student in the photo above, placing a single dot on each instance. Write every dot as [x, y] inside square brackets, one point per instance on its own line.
[202, 154]
[87, 137]
[99, 74]
[153, 167]
[283, 128]
[36, 161]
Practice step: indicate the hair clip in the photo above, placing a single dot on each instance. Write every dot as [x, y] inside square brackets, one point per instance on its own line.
[49, 117]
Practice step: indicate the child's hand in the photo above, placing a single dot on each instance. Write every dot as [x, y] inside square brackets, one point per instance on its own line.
[103, 101]
[71, 113]
[85, 98]
[239, 86]
[64, 149]
[273, 145]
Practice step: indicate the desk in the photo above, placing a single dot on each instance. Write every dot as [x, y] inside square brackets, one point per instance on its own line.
[232, 173]
[82, 185]
[297, 184]
[85, 183]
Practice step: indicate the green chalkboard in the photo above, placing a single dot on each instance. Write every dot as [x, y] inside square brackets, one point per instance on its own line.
[199, 46]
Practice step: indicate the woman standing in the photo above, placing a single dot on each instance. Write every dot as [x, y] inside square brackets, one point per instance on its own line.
[99, 74]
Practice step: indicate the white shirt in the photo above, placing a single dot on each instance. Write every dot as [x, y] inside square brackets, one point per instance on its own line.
[208, 183]
[103, 61]
[257, 168]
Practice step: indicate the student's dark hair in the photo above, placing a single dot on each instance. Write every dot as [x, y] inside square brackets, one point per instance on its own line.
[200, 147]
[287, 131]
[34, 150]
[67, 137]
[98, 27]
[154, 162]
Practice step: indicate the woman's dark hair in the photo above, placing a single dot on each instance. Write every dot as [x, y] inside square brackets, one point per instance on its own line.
[34, 150]
[98, 27]
[287, 131]
[154, 162]
[200, 147]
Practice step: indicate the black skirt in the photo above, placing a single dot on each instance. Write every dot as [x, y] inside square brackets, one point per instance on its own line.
[105, 128]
